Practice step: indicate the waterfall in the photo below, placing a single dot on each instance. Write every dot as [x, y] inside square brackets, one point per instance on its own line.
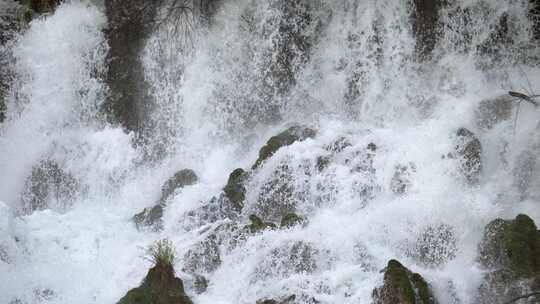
[379, 95]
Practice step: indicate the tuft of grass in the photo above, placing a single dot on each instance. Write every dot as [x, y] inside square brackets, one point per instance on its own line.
[161, 253]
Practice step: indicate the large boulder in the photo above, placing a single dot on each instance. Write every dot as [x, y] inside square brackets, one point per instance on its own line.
[160, 286]
[401, 286]
[469, 154]
[510, 251]
[48, 186]
[285, 138]
[151, 217]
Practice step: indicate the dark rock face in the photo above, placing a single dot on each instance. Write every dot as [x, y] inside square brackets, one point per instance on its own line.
[42, 6]
[151, 217]
[130, 24]
[285, 138]
[425, 22]
[160, 286]
[401, 286]
[48, 186]
[235, 190]
[469, 152]
[510, 249]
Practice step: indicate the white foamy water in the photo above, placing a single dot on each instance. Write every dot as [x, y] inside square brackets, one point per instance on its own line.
[214, 109]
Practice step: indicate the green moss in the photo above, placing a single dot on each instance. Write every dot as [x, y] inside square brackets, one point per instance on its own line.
[257, 224]
[235, 190]
[513, 245]
[397, 278]
[285, 138]
[290, 220]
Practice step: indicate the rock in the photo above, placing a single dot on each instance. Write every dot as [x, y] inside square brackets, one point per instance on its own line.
[492, 111]
[510, 250]
[151, 217]
[402, 180]
[200, 284]
[160, 286]
[469, 152]
[291, 258]
[290, 220]
[258, 225]
[534, 12]
[285, 138]
[401, 286]
[436, 246]
[425, 24]
[235, 190]
[42, 6]
[218, 208]
[48, 186]
[180, 179]
[130, 24]
[287, 300]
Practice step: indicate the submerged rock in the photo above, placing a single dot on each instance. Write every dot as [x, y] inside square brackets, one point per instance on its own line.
[402, 181]
[469, 152]
[290, 220]
[287, 300]
[257, 224]
[492, 111]
[401, 286]
[48, 186]
[436, 246]
[285, 138]
[151, 217]
[160, 286]
[291, 258]
[510, 249]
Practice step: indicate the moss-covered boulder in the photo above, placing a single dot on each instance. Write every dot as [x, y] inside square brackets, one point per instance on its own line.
[285, 138]
[257, 224]
[151, 217]
[510, 251]
[48, 186]
[290, 220]
[160, 286]
[401, 286]
[469, 153]
[235, 190]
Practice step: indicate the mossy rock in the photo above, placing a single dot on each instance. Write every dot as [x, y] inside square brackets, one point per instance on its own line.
[401, 286]
[180, 179]
[285, 138]
[235, 190]
[257, 224]
[41, 6]
[290, 220]
[513, 245]
[160, 286]
[469, 152]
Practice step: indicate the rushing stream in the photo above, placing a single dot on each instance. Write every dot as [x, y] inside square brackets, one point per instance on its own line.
[380, 171]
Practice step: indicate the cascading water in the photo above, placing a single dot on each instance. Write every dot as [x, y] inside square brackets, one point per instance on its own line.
[377, 170]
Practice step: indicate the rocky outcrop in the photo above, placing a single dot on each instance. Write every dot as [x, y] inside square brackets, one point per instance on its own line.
[469, 154]
[510, 251]
[401, 286]
[235, 190]
[151, 217]
[160, 286]
[130, 24]
[285, 138]
[425, 23]
[48, 186]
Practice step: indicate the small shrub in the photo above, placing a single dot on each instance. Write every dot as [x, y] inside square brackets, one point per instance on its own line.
[161, 252]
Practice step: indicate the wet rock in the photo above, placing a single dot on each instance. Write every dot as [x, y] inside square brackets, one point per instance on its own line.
[436, 246]
[510, 250]
[151, 217]
[160, 286]
[179, 180]
[200, 284]
[48, 186]
[278, 196]
[426, 27]
[490, 112]
[290, 220]
[42, 6]
[524, 172]
[402, 286]
[469, 152]
[534, 12]
[216, 209]
[291, 258]
[285, 138]
[130, 24]
[288, 300]
[257, 224]
[235, 190]
[402, 179]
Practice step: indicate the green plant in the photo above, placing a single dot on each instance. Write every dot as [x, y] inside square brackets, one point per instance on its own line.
[161, 253]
